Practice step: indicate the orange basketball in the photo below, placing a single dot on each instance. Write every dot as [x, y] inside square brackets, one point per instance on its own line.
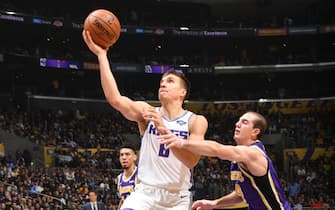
[103, 26]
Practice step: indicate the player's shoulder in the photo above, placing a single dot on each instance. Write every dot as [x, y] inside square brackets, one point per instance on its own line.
[119, 176]
[198, 123]
[198, 118]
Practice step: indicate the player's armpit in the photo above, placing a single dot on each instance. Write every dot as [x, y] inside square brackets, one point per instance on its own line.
[131, 110]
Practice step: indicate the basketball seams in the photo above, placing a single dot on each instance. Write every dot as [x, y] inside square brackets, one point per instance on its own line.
[110, 26]
[95, 34]
[105, 33]
[115, 23]
[100, 36]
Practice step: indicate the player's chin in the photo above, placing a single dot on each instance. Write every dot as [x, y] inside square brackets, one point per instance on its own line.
[125, 166]
[238, 140]
[162, 96]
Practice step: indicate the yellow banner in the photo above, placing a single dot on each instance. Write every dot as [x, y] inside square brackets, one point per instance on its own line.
[313, 153]
[2, 150]
[237, 108]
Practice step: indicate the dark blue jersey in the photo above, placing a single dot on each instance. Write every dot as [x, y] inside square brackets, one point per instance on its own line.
[126, 186]
[260, 192]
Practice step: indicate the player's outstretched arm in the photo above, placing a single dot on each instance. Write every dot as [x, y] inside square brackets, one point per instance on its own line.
[132, 110]
[227, 200]
[211, 148]
[198, 128]
[251, 156]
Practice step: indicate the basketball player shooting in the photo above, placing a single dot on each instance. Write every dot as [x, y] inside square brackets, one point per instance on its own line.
[164, 174]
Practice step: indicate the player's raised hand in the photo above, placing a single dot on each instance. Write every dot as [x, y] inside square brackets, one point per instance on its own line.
[96, 49]
[203, 205]
[150, 114]
[169, 139]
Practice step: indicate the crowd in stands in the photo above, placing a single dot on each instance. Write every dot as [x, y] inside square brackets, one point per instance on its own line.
[24, 186]
[70, 129]
[74, 129]
[307, 130]
[307, 182]
[301, 130]
[27, 187]
[311, 182]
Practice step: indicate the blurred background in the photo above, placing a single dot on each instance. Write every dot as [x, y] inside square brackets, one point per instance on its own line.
[59, 137]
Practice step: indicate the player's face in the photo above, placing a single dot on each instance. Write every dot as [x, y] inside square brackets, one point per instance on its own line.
[244, 129]
[127, 158]
[171, 88]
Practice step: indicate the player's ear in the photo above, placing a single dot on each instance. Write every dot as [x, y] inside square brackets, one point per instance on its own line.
[135, 157]
[256, 132]
[184, 92]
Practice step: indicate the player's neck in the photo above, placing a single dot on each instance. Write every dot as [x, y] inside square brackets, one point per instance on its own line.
[129, 171]
[172, 110]
[248, 142]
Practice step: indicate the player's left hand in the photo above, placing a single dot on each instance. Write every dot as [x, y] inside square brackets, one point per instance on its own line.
[169, 139]
[150, 114]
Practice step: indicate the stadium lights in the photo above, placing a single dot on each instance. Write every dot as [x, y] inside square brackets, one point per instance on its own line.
[183, 28]
[262, 100]
[10, 13]
[184, 65]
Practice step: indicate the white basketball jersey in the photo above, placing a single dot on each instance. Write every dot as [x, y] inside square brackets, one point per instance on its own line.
[158, 166]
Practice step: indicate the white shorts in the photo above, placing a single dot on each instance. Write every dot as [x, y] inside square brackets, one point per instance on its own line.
[146, 197]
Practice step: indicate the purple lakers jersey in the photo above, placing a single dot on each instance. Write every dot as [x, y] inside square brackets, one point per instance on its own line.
[126, 186]
[260, 192]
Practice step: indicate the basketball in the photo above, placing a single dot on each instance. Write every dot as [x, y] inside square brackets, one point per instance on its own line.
[103, 26]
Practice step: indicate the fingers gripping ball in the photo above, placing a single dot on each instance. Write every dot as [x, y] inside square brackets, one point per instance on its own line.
[104, 27]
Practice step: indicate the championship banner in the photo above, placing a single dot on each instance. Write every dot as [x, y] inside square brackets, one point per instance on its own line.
[267, 107]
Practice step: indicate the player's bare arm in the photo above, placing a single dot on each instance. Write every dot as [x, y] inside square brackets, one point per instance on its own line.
[198, 128]
[227, 200]
[130, 109]
[251, 158]
[120, 203]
